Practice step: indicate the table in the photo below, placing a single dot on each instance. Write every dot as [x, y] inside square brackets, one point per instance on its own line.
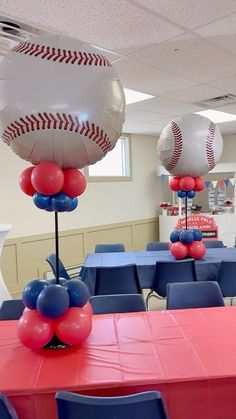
[206, 268]
[188, 355]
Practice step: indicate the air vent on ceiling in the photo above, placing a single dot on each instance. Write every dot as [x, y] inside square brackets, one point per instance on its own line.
[12, 32]
[218, 101]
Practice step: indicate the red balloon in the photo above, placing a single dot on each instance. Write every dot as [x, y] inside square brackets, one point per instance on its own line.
[199, 184]
[186, 183]
[196, 250]
[25, 181]
[74, 182]
[174, 183]
[47, 178]
[34, 330]
[74, 326]
[179, 250]
[87, 308]
[169, 245]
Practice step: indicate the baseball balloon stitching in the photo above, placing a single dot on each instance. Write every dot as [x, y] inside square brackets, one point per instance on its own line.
[209, 145]
[42, 121]
[178, 146]
[61, 55]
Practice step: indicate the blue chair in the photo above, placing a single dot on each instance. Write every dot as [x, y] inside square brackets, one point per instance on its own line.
[109, 247]
[51, 259]
[117, 280]
[157, 246]
[194, 295]
[171, 271]
[227, 279]
[11, 310]
[139, 406]
[212, 244]
[117, 303]
[7, 411]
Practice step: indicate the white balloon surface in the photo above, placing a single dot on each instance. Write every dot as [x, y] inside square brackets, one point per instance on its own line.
[61, 101]
[190, 145]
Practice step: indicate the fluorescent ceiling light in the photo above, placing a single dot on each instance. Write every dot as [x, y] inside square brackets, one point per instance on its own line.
[217, 116]
[132, 96]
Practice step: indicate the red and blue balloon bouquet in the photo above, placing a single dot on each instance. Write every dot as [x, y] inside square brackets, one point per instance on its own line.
[55, 312]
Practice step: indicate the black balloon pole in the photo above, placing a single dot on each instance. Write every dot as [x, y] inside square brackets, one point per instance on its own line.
[186, 213]
[57, 247]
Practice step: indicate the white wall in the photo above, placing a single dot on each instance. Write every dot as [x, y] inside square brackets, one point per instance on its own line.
[102, 202]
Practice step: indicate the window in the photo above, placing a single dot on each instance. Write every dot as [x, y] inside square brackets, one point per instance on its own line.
[115, 165]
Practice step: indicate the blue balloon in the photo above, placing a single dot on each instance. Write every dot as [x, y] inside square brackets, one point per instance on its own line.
[78, 292]
[186, 236]
[174, 236]
[41, 201]
[197, 234]
[53, 301]
[73, 204]
[191, 194]
[60, 202]
[62, 281]
[181, 194]
[32, 291]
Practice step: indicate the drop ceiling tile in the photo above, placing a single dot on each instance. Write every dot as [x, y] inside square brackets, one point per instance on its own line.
[141, 128]
[119, 26]
[189, 56]
[142, 77]
[132, 113]
[196, 93]
[167, 106]
[230, 108]
[191, 13]
[228, 84]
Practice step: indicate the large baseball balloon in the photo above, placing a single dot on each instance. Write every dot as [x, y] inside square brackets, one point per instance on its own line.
[61, 101]
[190, 145]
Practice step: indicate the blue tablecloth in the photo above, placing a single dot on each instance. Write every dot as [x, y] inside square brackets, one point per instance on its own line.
[206, 268]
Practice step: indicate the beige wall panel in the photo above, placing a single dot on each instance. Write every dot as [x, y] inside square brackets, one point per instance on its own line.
[144, 233]
[109, 235]
[9, 266]
[72, 249]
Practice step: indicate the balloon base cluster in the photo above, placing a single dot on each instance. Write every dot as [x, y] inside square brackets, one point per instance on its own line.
[187, 243]
[55, 315]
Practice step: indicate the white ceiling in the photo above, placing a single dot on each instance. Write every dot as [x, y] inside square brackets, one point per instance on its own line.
[180, 51]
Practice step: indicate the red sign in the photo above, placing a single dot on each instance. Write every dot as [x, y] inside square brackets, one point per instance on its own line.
[205, 223]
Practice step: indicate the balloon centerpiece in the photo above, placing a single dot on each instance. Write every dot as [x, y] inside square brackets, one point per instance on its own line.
[188, 147]
[62, 108]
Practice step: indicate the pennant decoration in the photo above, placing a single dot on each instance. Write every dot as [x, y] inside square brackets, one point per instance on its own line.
[226, 182]
[214, 183]
[221, 183]
[232, 181]
[207, 183]
[163, 177]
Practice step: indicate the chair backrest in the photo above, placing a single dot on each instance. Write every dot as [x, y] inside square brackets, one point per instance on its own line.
[109, 247]
[117, 303]
[211, 244]
[227, 278]
[117, 280]
[139, 406]
[7, 411]
[173, 271]
[157, 246]
[51, 259]
[11, 310]
[194, 295]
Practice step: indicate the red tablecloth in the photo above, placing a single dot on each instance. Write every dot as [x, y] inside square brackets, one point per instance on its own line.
[189, 355]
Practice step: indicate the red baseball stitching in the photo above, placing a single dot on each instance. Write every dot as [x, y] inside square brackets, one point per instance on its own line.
[41, 121]
[178, 146]
[61, 55]
[209, 145]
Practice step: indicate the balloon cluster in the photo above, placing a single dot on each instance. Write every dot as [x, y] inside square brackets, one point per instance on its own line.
[187, 242]
[53, 188]
[186, 186]
[52, 309]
